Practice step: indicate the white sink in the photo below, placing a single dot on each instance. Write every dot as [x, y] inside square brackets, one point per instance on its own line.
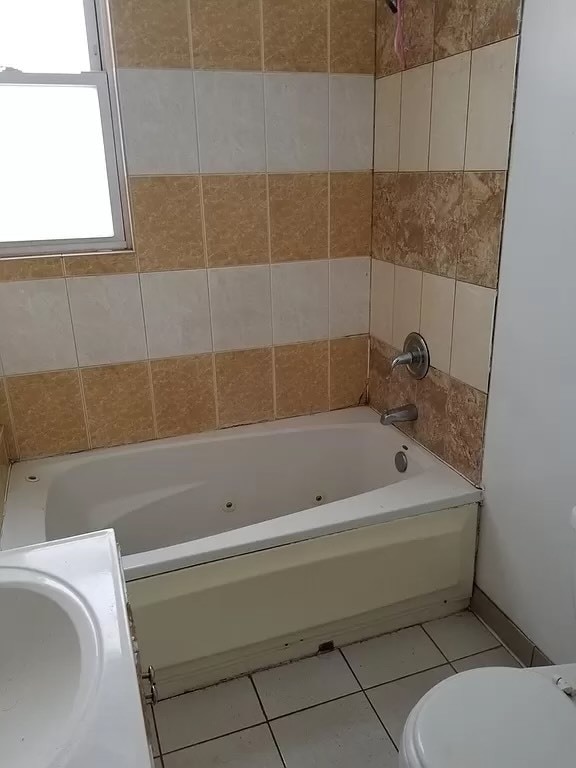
[49, 667]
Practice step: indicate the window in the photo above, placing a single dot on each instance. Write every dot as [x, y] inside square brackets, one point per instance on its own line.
[62, 181]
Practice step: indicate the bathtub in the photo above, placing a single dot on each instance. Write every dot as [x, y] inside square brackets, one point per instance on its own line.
[243, 545]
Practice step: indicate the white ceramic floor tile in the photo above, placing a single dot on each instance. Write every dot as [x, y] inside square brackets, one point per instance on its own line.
[340, 734]
[393, 656]
[304, 683]
[497, 657]
[157, 763]
[151, 727]
[253, 748]
[186, 720]
[460, 635]
[394, 701]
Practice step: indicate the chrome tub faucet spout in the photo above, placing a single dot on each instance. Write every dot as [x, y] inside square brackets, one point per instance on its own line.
[398, 415]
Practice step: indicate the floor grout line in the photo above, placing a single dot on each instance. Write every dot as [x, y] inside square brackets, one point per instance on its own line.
[267, 719]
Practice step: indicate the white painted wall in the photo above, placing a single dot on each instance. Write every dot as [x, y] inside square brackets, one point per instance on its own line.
[528, 548]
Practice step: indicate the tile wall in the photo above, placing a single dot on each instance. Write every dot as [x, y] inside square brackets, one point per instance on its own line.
[248, 129]
[3, 473]
[441, 157]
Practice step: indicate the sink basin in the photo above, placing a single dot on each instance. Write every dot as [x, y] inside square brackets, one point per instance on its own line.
[49, 668]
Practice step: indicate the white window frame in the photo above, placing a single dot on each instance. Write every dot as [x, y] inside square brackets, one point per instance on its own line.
[101, 76]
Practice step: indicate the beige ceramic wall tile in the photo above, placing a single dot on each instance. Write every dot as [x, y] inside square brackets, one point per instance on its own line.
[491, 101]
[407, 302]
[348, 372]
[436, 318]
[48, 413]
[466, 411]
[30, 269]
[350, 214]
[418, 32]
[244, 387]
[410, 211]
[301, 379]
[6, 421]
[352, 28]
[495, 20]
[449, 113]
[472, 334]
[226, 34]
[100, 264]
[387, 123]
[452, 27]
[298, 216]
[415, 118]
[442, 229]
[382, 300]
[4, 468]
[296, 35]
[236, 215]
[384, 216]
[151, 34]
[482, 214]
[432, 394]
[387, 63]
[118, 404]
[167, 222]
[184, 395]
[387, 389]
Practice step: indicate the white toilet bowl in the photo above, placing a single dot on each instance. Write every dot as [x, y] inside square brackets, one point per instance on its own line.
[493, 718]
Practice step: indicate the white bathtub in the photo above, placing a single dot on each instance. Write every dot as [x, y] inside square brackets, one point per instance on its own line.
[243, 543]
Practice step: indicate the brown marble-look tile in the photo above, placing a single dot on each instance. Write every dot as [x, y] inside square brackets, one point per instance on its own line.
[184, 395]
[412, 217]
[30, 269]
[301, 379]
[296, 35]
[100, 264]
[482, 214]
[298, 216]
[352, 27]
[348, 372]
[378, 374]
[418, 32]
[244, 387]
[432, 401]
[48, 413]
[6, 422]
[167, 222]
[148, 33]
[385, 216]
[350, 214]
[442, 232]
[118, 404]
[495, 20]
[387, 63]
[226, 34]
[452, 27]
[236, 216]
[466, 412]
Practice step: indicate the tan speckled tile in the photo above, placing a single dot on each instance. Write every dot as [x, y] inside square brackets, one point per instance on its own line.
[482, 214]
[236, 215]
[352, 28]
[100, 264]
[387, 63]
[184, 395]
[385, 216]
[389, 389]
[148, 33]
[244, 387]
[226, 34]
[301, 379]
[167, 222]
[432, 402]
[348, 371]
[4, 466]
[48, 413]
[452, 27]
[6, 421]
[442, 235]
[350, 214]
[419, 32]
[466, 412]
[411, 219]
[118, 404]
[30, 269]
[495, 20]
[298, 216]
[296, 35]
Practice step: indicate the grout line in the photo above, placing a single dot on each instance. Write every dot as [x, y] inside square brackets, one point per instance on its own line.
[267, 720]
[147, 361]
[190, 41]
[155, 726]
[429, 636]
[79, 369]
[262, 53]
[213, 738]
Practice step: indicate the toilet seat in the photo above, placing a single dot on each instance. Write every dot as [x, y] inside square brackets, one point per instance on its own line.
[492, 718]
